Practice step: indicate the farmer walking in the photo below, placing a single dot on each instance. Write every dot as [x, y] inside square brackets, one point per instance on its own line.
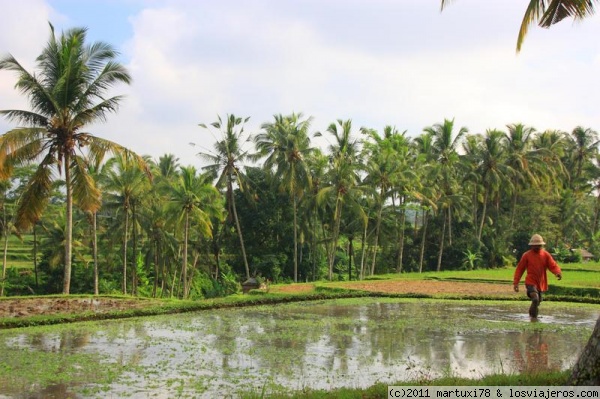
[535, 261]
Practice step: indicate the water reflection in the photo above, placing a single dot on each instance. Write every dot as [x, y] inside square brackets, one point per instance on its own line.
[317, 345]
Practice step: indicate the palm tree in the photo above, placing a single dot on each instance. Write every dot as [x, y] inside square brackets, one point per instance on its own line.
[193, 199]
[286, 144]
[550, 147]
[342, 188]
[583, 148]
[66, 94]
[550, 12]
[492, 169]
[387, 170]
[318, 163]
[520, 158]
[444, 147]
[125, 185]
[7, 226]
[225, 164]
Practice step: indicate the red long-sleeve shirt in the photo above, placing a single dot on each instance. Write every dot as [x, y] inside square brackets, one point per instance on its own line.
[536, 264]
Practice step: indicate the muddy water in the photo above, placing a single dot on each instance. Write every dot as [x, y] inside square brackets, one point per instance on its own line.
[323, 345]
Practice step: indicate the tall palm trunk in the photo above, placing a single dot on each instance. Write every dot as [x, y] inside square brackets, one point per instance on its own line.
[185, 253]
[439, 261]
[513, 209]
[4, 258]
[377, 227]
[125, 232]
[156, 260]
[449, 225]
[69, 226]
[363, 252]
[350, 256]
[95, 250]
[134, 275]
[586, 369]
[295, 205]
[238, 228]
[423, 237]
[35, 264]
[483, 212]
[401, 240]
[596, 215]
[334, 238]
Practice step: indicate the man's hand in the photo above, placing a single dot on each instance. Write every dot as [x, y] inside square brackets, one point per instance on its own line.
[559, 276]
[516, 287]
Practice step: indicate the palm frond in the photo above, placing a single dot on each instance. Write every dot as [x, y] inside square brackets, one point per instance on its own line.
[560, 9]
[85, 192]
[18, 147]
[99, 147]
[36, 196]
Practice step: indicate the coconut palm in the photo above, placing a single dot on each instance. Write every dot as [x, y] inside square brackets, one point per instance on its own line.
[342, 186]
[193, 199]
[583, 148]
[492, 169]
[318, 163]
[444, 147]
[520, 158]
[286, 145]
[549, 12]
[550, 147]
[125, 186]
[225, 164]
[66, 94]
[388, 171]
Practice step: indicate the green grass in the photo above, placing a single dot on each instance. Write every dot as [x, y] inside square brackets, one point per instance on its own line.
[379, 391]
[20, 252]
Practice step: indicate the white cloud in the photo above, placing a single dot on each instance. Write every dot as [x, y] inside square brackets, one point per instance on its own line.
[378, 62]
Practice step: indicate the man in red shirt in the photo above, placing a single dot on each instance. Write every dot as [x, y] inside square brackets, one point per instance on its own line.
[535, 261]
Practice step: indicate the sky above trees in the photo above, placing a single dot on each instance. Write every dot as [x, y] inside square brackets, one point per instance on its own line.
[378, 62]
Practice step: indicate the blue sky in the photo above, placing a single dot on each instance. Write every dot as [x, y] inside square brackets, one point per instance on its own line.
[377, 62]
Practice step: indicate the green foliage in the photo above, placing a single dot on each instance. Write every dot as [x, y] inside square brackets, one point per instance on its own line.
[270, 266]
[565, 255]
[204, 286]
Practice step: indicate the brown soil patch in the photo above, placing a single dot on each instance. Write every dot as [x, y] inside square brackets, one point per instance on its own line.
[25, 307]
[415, 287]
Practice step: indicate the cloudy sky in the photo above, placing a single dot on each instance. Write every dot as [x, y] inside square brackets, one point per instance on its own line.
[377, 62]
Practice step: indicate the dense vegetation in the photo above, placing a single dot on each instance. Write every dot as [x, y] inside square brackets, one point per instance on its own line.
[372, 203]
[269, 203]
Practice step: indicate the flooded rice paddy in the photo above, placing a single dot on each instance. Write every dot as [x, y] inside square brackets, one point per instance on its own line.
[316, 345]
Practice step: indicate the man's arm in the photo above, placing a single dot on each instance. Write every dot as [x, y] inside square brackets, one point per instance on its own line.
[519, 272]
[553, 267]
